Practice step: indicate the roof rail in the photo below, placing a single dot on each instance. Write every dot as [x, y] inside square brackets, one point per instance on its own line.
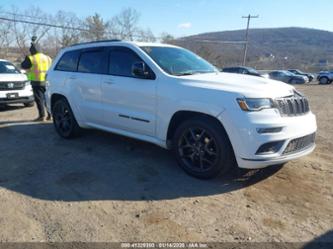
[92, 42]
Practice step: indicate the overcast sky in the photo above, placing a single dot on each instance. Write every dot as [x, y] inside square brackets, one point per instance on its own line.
[186, 17]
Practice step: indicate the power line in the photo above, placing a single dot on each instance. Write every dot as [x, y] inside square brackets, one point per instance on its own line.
[42, 24]
[61, 26]
[216, 42]
[249, 17]
[113, 33]
[23, 15]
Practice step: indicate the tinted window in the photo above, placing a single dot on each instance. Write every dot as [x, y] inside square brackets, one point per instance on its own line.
[179, 61]
[241, 70]
[121, 61]
[6, 67]
[93, 62]
[68, 62]
[230, 70]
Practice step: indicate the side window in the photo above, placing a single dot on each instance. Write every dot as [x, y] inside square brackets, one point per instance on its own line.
[241, 71]
[68, 61]
[93, 61]
[121, 61]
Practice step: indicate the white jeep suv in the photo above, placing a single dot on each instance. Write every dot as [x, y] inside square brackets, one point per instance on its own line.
[14, 86]
[171, 97]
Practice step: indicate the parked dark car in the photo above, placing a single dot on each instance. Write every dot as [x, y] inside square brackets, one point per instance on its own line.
[288, 77]
[241, 70]
[325, 77]
[299, 72]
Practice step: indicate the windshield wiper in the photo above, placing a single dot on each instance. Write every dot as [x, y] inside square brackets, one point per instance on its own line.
[185, 73]
[194, 72]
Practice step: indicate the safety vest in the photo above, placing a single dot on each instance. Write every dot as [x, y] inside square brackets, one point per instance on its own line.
[40, 64]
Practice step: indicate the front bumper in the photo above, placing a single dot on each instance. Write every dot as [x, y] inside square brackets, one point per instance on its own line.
[24, 95]
[21, 100]
[263, 163]
[246, 140]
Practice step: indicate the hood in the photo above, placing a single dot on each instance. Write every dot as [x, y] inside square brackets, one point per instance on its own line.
[13, 77]
[245, 85]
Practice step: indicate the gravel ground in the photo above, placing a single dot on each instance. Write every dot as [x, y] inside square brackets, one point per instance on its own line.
[103, 187]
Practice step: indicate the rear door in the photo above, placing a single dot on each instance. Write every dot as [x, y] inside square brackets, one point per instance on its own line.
[129, 102]
[86, 83]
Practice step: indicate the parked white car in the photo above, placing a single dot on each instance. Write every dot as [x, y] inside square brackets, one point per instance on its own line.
[171, 97]
[14, 85]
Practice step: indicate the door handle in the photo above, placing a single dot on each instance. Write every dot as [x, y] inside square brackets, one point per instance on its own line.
[72, 78]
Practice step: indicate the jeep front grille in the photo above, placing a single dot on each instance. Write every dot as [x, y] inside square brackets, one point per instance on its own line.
[293, 106]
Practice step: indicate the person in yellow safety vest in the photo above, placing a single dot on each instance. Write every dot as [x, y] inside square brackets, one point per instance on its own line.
[37, 65]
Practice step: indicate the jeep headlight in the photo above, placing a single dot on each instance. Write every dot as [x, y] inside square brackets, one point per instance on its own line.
[27, 83]
[255, 105]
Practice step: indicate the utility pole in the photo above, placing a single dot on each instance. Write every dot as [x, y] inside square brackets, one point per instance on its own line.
[249, 17]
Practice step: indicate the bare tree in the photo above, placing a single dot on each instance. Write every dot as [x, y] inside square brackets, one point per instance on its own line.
[97, 28]
[66, 37]
[145, 35]
[65, 28]
[125, 25]
[5, 38]
[23, 31]
[167, 38]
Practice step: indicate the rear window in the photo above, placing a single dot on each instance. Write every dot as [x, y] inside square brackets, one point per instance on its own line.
[68, 61]
[93, 62]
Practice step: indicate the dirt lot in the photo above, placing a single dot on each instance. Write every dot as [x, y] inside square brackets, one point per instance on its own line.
[103, 187]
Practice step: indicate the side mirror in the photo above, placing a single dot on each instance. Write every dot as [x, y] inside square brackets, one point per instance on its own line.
[139, 69]
[23, 71]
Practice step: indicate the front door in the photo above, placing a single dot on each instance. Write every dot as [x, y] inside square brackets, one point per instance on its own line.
[129, 102]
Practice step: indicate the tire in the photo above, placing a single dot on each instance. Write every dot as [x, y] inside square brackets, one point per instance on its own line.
[64, 120]
[202, 148]
[323, 81]
[30, 104]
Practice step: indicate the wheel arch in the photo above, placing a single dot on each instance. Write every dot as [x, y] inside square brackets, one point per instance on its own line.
[183, 115]
[55, 97]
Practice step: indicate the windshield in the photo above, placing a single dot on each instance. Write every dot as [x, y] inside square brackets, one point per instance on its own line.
[8, 68]
[179, 61]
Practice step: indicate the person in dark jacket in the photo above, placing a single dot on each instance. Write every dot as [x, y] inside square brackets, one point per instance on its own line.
[37, 65]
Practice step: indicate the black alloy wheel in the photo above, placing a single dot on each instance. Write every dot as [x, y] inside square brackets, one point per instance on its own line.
[197, 149]
[64, 120]
[202, 148]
